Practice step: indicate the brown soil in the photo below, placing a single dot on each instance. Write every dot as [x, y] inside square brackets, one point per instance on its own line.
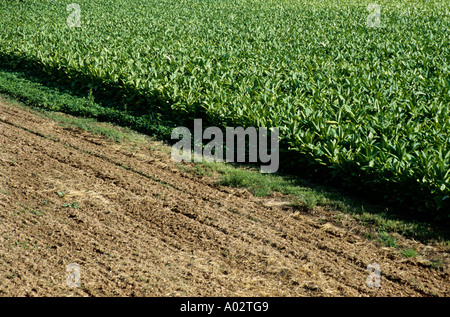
[138, 225]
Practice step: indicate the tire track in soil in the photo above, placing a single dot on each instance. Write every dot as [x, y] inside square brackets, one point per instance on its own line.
[142, 227]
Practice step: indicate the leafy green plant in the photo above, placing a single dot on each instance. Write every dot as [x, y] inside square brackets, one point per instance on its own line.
[368, 106]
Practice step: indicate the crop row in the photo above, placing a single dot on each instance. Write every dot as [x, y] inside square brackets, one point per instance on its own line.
[369, 103]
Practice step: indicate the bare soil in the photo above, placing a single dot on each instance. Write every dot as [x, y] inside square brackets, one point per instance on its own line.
[138, 225]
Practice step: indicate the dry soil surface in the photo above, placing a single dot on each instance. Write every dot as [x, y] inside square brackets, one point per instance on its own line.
[136, 224]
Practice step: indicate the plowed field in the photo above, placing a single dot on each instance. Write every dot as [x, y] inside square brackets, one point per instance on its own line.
[138, 225]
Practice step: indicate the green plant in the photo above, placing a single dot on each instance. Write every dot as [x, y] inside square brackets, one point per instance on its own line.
[11, 276]
[409, 253]
[36, 212]
[386, 239]
[365, 107]
[437, 264]
[74, 205]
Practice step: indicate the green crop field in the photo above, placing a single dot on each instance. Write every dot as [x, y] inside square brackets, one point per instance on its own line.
[369, 104]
